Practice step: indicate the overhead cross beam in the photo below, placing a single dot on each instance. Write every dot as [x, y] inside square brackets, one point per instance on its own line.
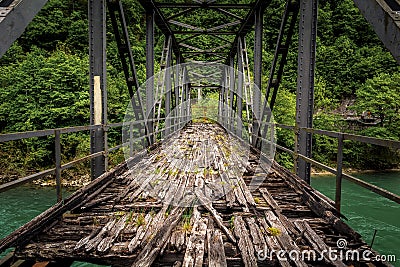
[162, 24]
[184, 28]
[247, 25]
[204, 5]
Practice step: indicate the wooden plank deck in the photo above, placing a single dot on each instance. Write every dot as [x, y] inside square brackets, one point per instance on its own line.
[187, 204]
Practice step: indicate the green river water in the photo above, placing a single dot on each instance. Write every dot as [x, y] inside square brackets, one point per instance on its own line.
[365, 210]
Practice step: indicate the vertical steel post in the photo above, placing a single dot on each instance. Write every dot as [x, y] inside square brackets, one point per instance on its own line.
[258, 34]
[57, 142]
[150, 73]
[105, 129]
[221, 97]
[227, 99]
[305, 83]
[131, 139]
[97, 82]
[239, 91]
[177, 93]
[183, 97]
[168, 88]
[188, 90]
[231, 93]
[339, 174]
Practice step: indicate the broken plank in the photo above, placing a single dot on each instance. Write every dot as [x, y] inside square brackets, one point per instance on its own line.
[244, 242]
[150, 252]
[215, 246]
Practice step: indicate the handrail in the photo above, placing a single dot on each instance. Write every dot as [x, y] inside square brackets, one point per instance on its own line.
[353, 137]
[338, 172]
[58, 168]
[57, 142]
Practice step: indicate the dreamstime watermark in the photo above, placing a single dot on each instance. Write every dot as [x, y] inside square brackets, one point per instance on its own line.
[330, 254]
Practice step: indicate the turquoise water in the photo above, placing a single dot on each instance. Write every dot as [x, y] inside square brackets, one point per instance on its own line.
[20, 205]
[365, 210]
[368, 211]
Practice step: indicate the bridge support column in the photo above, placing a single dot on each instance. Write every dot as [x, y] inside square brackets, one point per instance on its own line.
[97, 83]
[305, 84]
[188, 89]
[221, 98]
[150, 74]
[168, 88]
[178, 102]
[239, 96]
[231, 94]
[258, 28]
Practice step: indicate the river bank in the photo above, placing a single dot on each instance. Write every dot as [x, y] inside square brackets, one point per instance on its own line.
[68, 181]
[79, 181]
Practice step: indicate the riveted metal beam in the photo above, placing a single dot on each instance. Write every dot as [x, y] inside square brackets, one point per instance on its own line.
[240, 84]
[168, 87]
[162, 24]
[14, 18]
[150, 72]
[203, 5]
[384, 16]
[305, 83]
[284, 40]
[97, 82]
[247, 25]
[258, 35]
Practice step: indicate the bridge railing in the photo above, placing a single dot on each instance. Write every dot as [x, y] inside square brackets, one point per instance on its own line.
[339, 166]
[58, 168]
[129, 143]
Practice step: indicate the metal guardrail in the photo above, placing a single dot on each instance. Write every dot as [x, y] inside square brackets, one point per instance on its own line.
[57, 144]
[60, 167]
[339, 168]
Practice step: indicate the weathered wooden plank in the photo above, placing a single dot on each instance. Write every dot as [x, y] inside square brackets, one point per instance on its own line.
[141, 231]
[92, 243]
[278, 210]
[149, 253]
[269, 199]
[215, 246]
[312, 237]
[207, 204]
[272, 242]
[244, 242]
[195, 248]
[284, 238]
[112, 235]
[256, 235]
[156, 223]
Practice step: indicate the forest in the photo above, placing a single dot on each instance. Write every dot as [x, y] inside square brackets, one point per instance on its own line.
[44, 84]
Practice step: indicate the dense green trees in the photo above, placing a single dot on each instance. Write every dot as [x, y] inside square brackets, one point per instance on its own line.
[43, 80]
[44, 91]
[380, 96]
